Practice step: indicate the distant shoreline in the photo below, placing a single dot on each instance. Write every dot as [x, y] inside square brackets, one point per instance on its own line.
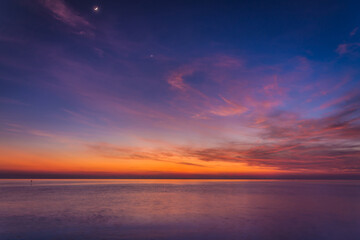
[228, 179]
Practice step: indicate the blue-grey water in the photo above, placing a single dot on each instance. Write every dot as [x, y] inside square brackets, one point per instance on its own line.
[179, 209]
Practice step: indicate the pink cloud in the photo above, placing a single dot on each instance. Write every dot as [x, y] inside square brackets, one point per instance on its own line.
[132, 153]
[65, 14]
[229, 110]
[291, 143]
[354, 31]
[336, 101]
[347, 48]
[222, 76]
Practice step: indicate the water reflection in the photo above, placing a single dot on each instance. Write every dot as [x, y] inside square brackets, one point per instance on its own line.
[179, 209]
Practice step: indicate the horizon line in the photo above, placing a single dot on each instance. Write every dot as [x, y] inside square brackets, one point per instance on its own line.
[13, 174]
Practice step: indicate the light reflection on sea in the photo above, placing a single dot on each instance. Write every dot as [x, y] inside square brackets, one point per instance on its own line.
[179, 209]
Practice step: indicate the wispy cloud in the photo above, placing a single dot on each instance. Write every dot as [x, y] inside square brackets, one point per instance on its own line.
[135, 153]
[57, 137]
[354, 31]
[12, 101]
[288, 142]
[62, 12]
[229, 110]
[291, 143]
[327, 158]
[348, 48]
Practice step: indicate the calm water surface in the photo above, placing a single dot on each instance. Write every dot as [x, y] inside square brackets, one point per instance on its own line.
[179, 209]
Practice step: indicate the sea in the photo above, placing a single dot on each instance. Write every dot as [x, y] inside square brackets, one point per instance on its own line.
[180, 209]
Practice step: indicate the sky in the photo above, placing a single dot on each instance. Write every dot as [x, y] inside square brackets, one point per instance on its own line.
[179, 89]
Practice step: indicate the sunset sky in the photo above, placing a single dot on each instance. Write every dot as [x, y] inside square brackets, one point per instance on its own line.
[179, 88]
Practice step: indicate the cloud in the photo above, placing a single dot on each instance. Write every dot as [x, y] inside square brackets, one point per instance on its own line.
[291, 143]
[223, 86]
[54, 136]
[342, 124]
[354, 31]
[294, 157]
[134, 153]
[12, 101]
[62, 12]
[229, 110]
[328, 144]
[348, 48]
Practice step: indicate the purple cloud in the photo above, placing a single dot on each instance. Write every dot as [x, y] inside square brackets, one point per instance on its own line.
[62, 12]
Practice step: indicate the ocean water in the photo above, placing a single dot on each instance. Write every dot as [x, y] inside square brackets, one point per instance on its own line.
[179, 209]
